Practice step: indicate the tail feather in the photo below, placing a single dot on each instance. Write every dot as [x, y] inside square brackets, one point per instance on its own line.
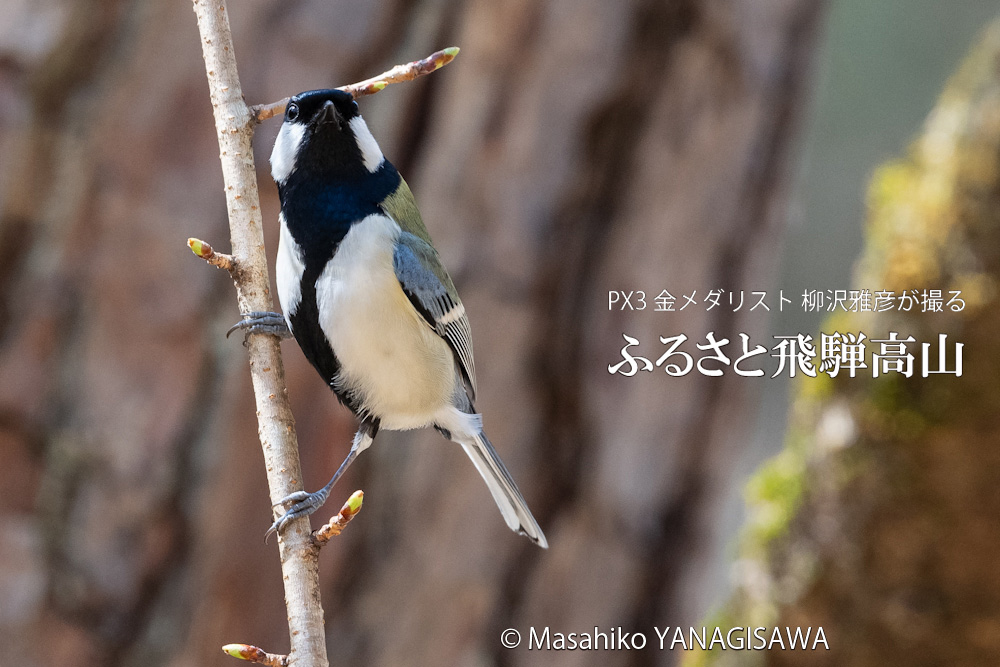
[505, 492]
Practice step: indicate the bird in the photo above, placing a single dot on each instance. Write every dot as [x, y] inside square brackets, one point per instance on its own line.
[365, 295]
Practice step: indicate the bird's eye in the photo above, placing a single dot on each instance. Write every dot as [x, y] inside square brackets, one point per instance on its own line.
[292, 112]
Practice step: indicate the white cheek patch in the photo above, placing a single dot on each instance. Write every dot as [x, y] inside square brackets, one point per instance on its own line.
[286, 147]
[371, 154]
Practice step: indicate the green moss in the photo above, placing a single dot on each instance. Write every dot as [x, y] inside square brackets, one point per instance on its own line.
[931, 224]
[774, 493]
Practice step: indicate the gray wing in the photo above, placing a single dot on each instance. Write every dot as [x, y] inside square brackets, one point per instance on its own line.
[428, 286]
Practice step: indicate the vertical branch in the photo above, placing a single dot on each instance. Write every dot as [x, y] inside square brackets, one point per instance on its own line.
[234, 125]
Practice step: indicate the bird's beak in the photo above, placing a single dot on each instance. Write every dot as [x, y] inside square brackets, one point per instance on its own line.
[327, 113]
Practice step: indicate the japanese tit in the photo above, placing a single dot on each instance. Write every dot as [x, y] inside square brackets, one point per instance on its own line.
[367, 298]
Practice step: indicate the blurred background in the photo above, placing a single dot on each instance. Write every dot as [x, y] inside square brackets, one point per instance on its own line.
[573, 148]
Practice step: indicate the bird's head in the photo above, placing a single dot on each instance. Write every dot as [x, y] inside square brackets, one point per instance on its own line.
[323, 134]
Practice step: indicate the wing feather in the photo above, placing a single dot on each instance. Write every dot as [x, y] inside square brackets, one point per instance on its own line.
[429, 287]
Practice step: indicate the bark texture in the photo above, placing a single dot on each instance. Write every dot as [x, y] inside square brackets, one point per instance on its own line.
[574, 147]
[881, 519]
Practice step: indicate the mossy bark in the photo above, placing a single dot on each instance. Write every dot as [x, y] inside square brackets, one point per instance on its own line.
[880, 521]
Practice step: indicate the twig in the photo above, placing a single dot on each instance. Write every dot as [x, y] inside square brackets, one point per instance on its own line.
[207, 253]
[253, 654]
[234, 127]
[337, 524]
[397, 74]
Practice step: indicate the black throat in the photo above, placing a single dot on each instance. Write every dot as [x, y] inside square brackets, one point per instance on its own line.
[320, 208]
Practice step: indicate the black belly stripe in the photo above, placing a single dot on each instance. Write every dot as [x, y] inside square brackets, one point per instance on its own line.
[309, 335]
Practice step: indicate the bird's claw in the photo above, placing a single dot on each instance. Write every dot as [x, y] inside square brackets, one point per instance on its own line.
[292, 498]
[261, 322]
[305, 504]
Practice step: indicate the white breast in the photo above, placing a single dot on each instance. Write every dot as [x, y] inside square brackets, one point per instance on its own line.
[288, 271]
[401, 369]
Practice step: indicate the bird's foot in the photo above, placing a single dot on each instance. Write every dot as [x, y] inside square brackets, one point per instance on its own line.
[304, 505]
[262, 322]
[307, 503]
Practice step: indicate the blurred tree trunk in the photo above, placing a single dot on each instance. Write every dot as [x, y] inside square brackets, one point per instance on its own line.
[881, 519]
[574, 147]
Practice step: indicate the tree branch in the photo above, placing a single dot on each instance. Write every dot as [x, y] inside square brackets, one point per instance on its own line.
[234, 125]
[397, 74]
